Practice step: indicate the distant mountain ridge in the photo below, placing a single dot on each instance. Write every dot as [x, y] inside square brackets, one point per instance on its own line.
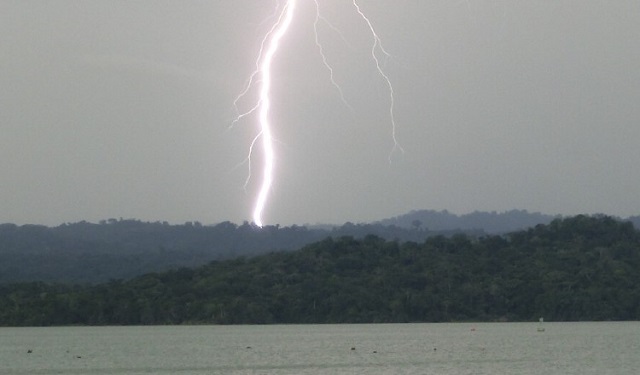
[489, 222]
[120, 249]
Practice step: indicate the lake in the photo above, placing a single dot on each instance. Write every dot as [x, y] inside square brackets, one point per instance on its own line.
[444, 349]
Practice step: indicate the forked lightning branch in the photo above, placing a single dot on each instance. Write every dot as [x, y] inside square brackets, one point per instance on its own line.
[261, 79]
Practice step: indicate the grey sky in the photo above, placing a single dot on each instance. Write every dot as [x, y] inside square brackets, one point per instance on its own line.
[122, 109]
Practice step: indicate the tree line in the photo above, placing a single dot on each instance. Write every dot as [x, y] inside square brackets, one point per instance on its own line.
[120, 249]
[579, 268]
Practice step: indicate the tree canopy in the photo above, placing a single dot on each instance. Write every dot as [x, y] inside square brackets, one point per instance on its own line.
[579, 268]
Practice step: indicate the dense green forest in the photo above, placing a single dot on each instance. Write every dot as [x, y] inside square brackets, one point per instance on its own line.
[579, 268]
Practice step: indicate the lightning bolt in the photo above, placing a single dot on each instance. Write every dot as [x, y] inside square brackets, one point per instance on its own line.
[377, 45]
[268, 49]
[322, 55]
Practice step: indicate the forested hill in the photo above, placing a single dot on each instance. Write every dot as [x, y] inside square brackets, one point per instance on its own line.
[579, 268]
[115, 249]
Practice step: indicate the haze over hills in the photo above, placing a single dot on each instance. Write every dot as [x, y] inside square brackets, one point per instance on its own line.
[120, 249]
[489, 222]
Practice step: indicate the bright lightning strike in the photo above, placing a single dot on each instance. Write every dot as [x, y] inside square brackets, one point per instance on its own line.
[268, 48]
[263, 68]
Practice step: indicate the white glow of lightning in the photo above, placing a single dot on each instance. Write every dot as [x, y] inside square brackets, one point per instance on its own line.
[268, 48]
[265, 127]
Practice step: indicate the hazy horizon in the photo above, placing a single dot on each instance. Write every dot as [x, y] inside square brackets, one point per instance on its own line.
[382, 220]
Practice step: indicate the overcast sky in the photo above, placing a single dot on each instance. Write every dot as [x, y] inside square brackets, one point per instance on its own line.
[114, 109]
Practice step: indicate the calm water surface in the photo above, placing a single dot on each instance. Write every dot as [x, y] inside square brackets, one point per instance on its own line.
[447, 349]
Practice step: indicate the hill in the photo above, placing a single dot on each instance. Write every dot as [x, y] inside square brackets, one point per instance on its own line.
[489, 222]
[580, 268]
[119, 249]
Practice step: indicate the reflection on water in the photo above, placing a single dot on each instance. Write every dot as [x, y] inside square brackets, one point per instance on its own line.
[461, 348]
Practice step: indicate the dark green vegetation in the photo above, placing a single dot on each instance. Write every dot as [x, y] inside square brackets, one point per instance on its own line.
[119, 249]
[580, 268]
